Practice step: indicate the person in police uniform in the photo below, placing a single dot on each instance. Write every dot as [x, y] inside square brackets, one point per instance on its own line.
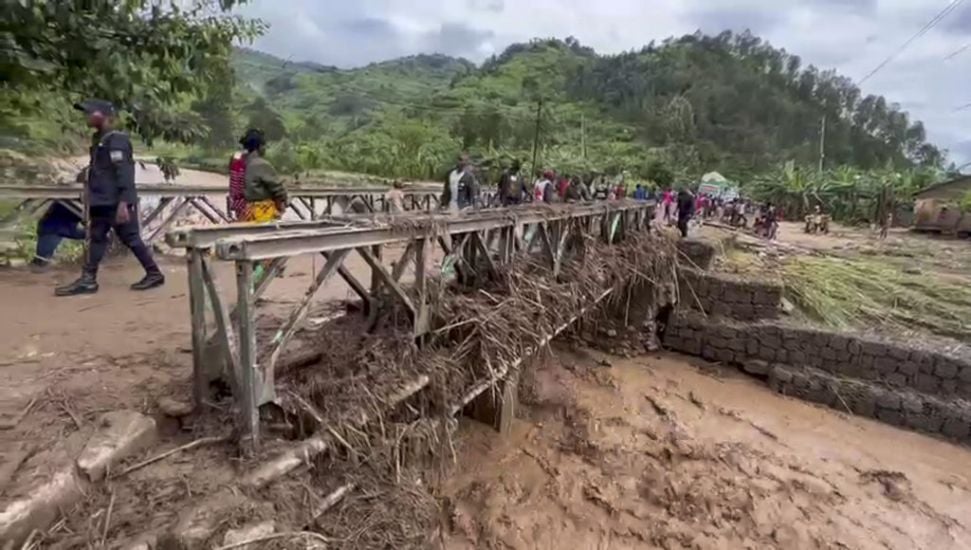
[111, 201]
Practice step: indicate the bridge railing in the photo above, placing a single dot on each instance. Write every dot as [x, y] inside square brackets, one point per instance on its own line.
[169, 202]
[477, 243]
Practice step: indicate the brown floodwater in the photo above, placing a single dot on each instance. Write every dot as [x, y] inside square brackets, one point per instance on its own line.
[655, 452]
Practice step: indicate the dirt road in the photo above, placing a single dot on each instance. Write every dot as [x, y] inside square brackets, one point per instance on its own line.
[653, 453]
[117, 348]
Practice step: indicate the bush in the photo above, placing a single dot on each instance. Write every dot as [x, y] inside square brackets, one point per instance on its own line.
[965, 203]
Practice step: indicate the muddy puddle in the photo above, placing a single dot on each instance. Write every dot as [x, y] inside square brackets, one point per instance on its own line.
[654, 452]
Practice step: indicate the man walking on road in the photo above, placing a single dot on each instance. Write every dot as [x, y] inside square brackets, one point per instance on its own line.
[111, 201]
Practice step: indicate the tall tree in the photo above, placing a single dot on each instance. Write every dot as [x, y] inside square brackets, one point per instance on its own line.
[144, 55]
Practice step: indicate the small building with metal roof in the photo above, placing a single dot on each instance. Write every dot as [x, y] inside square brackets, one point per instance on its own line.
[937, 207]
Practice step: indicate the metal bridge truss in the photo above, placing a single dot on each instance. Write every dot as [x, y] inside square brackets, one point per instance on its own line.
[477, 243]
[173, 201]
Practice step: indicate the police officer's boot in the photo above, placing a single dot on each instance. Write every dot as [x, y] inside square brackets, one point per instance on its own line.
[151, 279]
[86, 284]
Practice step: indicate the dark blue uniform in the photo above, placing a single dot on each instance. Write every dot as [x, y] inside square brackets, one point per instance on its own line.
[111, 181]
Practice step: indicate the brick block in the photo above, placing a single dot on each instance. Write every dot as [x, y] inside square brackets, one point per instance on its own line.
[924, 360]
[927, 383]
[896, 379]
[892, 417]
[752, 346]
[908, 368]
[964, 374]
[923, 422]
[839, 342]
[675, 343]
[876, 349]
[767, 353]
[956, 426]
[853, 346]
[864, 404]
[821, 339]
[899, 353]
[766, 312]
[781, 374]
[797, 357]
[946, 369]
[756, 366]
[887, 399]
[724, 355]
[869, 374]
[692, 346]
[911, 404]
[886, 366]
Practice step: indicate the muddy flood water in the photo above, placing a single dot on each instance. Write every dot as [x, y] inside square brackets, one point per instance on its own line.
[655, 452]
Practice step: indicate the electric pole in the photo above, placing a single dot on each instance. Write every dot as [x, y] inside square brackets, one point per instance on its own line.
[822, 144]
[539, 111]
[583, 135]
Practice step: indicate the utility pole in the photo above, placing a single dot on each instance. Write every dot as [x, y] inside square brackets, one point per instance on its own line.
[539, 111]
[583, 135]
[822, 144]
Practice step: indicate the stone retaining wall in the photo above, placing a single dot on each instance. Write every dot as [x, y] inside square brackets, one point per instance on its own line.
[725, 295]
[894, 364]
[899, 383]
[899, 407]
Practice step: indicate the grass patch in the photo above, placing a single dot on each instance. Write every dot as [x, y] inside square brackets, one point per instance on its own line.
[868, 293]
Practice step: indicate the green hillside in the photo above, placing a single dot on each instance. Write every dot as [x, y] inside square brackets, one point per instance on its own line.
[730, 103]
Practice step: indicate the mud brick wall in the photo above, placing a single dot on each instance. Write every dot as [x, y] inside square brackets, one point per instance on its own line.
[894, 364]
[898, 407]
[724, 295]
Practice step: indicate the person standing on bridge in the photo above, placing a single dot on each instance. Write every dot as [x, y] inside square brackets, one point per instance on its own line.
[511, 185]
[461, 188]
[111, 201]
[237, 184]
[395, 198]
[266, 197]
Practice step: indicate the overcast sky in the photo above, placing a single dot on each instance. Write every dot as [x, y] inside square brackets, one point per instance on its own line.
[853, 36]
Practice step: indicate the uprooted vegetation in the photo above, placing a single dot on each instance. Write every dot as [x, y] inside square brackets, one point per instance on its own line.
[869, 292]
[898, 287]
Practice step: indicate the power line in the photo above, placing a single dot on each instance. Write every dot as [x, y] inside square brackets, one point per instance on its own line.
[923, 30]
[958, 52]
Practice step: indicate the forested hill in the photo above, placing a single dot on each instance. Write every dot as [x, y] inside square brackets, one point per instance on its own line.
[730, 102]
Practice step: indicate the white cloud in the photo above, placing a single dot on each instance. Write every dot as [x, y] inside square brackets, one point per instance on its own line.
[852, 36]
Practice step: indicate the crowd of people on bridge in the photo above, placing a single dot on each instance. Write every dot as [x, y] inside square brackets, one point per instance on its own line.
[462, 190]
[257, 194]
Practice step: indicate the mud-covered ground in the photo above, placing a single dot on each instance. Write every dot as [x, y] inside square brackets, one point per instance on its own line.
[655, 452]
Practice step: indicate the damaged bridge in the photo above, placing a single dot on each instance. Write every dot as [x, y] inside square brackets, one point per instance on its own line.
[560, 249]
